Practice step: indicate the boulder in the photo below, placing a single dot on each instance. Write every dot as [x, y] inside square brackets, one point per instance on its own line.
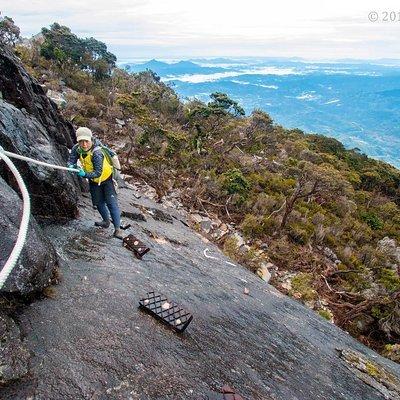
[239, 239]
[53, 192]
[389, 246]
[266, 270]
[35, 267]
[196, 218]
[32, 126]
[24, 92]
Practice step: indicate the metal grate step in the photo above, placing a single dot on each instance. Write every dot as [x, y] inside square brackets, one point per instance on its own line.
[167, 311]
[136, 246]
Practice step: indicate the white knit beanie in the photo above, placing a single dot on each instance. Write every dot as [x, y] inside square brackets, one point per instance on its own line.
[83, 133]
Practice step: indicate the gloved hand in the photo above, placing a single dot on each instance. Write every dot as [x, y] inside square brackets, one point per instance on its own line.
[71, 166]
[81, 173]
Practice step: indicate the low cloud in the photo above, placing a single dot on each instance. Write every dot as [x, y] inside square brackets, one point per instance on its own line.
[177, 28]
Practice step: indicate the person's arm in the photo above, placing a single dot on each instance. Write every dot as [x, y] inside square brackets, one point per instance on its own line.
[73, 157]
[97, 160]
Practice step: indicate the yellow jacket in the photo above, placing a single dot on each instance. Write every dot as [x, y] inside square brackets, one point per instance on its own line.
[86, 159]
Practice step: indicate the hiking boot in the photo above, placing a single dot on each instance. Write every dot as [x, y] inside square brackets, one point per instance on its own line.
[118, 234]
[102, 224]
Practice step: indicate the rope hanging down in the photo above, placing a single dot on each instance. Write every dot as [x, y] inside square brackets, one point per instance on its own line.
[23, 229]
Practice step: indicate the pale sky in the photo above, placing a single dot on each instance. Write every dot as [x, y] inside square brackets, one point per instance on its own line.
[312, 29]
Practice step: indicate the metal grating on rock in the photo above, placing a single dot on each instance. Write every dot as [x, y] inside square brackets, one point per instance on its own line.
[138, 248]
[167, 311]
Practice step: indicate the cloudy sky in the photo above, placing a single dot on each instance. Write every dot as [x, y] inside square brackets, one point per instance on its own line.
[313, 29]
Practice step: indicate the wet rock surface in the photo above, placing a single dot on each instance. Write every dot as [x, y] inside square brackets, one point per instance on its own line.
[53, 192]
[38, 261]
[30, 125]
[14, 356]
[90, 341]
[25, 93]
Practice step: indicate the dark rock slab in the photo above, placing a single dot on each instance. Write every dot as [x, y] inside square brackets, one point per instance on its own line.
[24, 92]
[156, 213]
[160, 215]
[91, 342]
[53, 192]
[136, 216]
[38, 260]
[31, 125]
[14, 356]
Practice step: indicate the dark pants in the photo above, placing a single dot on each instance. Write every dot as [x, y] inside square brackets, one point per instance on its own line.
[104, 197]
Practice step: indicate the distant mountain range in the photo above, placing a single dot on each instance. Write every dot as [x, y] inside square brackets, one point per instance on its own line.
[355, 101]
[162, 68]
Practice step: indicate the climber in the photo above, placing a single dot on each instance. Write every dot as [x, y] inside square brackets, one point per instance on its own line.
[98, 168]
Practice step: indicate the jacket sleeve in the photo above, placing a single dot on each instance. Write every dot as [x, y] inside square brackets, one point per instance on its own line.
[73, 156]
[97, 160]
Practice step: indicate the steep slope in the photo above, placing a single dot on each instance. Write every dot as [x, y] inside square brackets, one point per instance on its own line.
[90, 341]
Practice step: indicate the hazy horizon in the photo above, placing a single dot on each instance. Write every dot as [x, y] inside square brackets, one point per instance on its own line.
[121, 60]
[312, 29]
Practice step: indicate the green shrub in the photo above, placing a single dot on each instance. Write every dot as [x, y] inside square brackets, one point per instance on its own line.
[389, 279]
[233, 182]
[302, 284]
[372, 220]
[270, 225]
[251, 226]
[230, 248]
[300, 233]
[392, 351]
[80, 120]
[327, 314]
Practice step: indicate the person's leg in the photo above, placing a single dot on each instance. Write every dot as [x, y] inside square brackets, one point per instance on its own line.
[112, 203]
[98, 199]
[102, 209]
[115, 213]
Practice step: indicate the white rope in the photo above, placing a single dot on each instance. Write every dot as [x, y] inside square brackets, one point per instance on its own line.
[13, 155]
[208, 256]
[23, 229]
[205, 252]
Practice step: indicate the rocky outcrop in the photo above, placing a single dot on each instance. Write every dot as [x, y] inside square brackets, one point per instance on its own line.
[31, 125]
[390, 248]
[38, 260]
[53, 192]
[24, 92]
[57, 97]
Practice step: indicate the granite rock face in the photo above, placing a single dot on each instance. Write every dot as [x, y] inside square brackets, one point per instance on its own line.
[36, 265]
[24, 92]
[30, 125]
[53, 192]
[14, 356]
